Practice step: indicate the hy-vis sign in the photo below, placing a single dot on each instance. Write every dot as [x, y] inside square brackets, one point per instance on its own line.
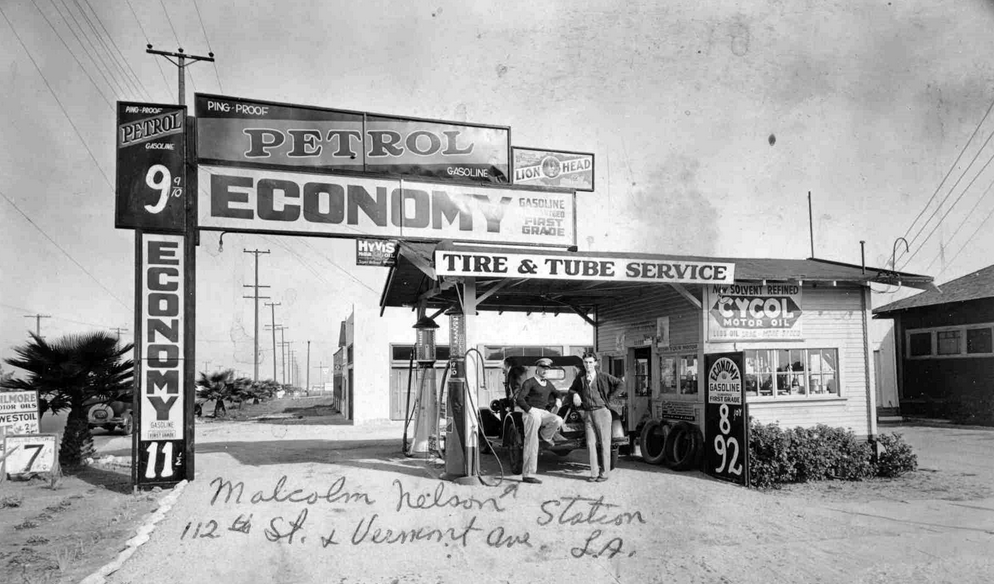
[375, 252]
[753, 311]
[571, 267]
[253, 200]
[273, 135]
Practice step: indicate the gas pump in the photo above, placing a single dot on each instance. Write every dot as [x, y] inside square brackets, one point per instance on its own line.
[461, 448]
[426, 405]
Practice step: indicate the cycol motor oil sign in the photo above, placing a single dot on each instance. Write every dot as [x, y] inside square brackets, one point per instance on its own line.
[753, 311]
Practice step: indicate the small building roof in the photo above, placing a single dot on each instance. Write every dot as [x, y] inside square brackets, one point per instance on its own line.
[411, 279]
[974, 286]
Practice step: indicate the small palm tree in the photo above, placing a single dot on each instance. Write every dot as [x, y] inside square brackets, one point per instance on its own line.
[71, 373]
[220, 386]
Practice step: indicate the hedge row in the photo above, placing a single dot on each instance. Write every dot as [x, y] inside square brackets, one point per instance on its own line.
[799, 455]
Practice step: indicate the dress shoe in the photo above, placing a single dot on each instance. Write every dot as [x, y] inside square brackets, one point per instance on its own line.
[531, 480]
[601, 479]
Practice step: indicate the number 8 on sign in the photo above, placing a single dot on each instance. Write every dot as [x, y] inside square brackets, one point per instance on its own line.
[167, 462]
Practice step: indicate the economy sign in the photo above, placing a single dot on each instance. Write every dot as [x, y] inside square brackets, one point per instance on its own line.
[253, 200]
[161, 439]
[571, 170]
[293, 137]
[151, 151]
[726, 424]
[574, 267]
[753, 311]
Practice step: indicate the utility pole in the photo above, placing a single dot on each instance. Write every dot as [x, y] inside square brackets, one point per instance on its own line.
[119, 330]
[307, 383]
[37, 318]
[273, 305]
[255, 313]
[283, 346]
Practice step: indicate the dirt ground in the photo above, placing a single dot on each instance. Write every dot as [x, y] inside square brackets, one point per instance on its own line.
[65, 534]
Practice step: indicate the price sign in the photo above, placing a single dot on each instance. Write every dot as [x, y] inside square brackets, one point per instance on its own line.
[151, 178]
[726, 425]
[160, 461]
[29, 453]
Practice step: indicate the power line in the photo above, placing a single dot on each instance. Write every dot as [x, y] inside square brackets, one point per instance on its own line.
[951, 168]
[72, 259]
[57, 100]
[116, 48]
[967, 242]
[56, 317]
[120, 88]
[949, 194]
[921, 246]
[64, 44]
[96, 33]
[966, 217]
[144, 34]
[176, 36]
[82, 47]
[216, 74]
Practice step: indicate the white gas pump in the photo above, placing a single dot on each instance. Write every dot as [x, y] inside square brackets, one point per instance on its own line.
[426, 403]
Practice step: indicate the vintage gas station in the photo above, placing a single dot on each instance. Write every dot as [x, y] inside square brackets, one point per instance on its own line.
[481, 226]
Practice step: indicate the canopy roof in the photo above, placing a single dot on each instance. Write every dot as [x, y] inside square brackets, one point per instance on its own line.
[413, 279]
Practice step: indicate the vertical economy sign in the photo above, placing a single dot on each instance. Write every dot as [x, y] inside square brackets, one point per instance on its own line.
[726, 424]
[161, 439]
[251, 133]
[151, 153]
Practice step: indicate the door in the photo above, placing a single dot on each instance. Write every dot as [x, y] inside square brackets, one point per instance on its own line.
[640, 385]
[350, 395]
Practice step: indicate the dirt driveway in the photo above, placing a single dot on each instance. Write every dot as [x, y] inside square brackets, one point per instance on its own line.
[278, 502]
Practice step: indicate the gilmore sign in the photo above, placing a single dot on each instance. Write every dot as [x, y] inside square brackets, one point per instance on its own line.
[573, 267]
[250, 200]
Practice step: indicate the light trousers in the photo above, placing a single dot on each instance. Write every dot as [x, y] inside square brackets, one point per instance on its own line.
[597, 424]
[536, 420]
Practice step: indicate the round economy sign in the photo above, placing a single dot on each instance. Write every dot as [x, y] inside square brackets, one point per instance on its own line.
[724, 382]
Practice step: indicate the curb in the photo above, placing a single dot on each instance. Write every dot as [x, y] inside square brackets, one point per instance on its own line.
[142, 535]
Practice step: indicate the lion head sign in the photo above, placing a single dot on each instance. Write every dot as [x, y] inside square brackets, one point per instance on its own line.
[726, 424]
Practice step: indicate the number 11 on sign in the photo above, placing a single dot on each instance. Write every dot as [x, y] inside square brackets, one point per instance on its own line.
[167, 462]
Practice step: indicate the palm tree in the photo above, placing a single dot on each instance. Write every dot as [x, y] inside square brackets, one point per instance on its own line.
[71, 373]
[220, 386]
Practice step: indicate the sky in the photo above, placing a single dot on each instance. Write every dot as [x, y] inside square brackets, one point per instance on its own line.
[710, 123]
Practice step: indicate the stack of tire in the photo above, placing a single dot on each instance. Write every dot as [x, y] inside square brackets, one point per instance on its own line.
[675, 444]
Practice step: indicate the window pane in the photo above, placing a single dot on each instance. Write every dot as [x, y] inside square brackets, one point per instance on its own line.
[402, 352]
[921, 344]
[978, 340]
[492, 353]
[667, 375]
[688, 374]
[948, 342]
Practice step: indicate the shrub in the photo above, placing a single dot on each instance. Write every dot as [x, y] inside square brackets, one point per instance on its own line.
[894, 456]
[799, 455]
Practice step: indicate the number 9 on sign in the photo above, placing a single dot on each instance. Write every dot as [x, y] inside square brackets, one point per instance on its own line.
[158, 178]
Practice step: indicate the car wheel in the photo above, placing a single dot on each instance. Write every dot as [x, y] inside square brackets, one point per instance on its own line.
[515, 448]
[128, 426]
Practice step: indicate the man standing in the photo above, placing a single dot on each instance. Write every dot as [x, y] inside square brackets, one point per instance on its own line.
[536, 395]
[592, 392]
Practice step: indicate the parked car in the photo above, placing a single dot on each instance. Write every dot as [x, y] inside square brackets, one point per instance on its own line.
[502, 426]
[115, 414]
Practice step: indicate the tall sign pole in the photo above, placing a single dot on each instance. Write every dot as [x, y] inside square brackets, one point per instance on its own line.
[160, 251]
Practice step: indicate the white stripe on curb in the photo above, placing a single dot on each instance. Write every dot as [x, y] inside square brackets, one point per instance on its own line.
[141, 536]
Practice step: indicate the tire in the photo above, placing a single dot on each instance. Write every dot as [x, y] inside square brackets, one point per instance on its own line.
[129, 425]
[683, 446]
[515, 448]
[653, 439]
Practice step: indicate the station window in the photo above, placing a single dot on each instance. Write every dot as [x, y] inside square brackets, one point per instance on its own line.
[500, 352]
[787, 373]
[688, 374]
[971, 340]
[667, 374]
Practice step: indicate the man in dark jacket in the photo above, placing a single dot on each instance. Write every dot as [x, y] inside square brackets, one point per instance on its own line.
[592, 392]
[533, 401]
